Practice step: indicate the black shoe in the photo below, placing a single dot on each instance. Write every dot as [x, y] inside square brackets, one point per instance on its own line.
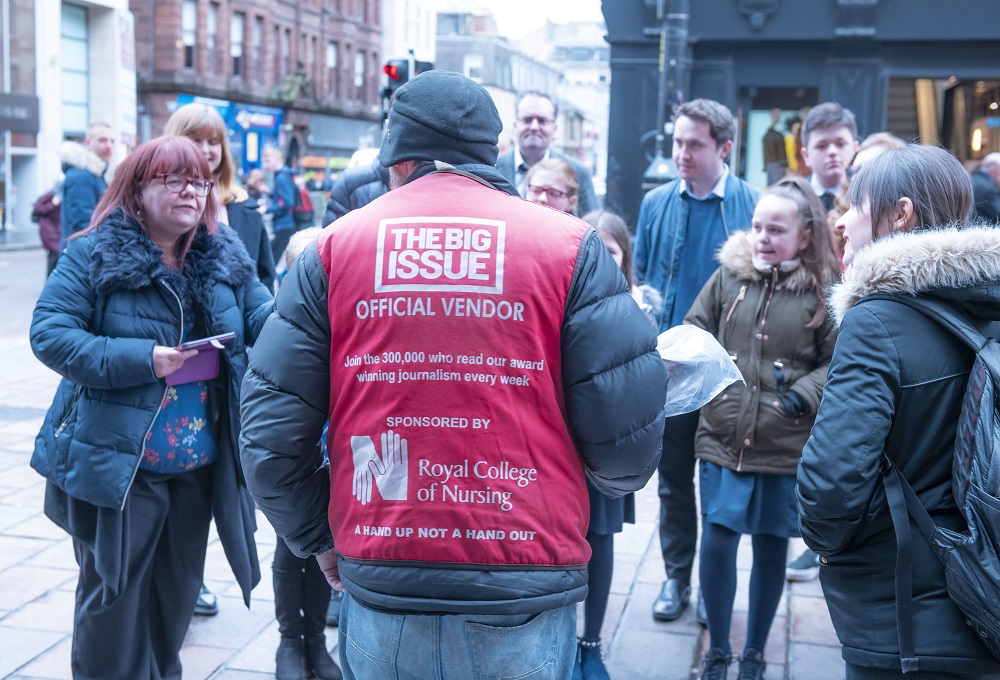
[333, 610]
[805, 567]
[290, 660]
[318, 660]
[700, 613]
[672, 600]
[752, 665]
[207, 603]
[715, 665]
[591, 664]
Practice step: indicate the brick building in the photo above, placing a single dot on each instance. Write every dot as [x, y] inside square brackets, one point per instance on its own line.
[300, 75]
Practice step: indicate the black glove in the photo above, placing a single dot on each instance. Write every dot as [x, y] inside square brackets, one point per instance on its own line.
[793, 404]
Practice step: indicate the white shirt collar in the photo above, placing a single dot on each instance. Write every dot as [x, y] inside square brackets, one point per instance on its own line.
[819, 188]
[718, 190]
[518, 161]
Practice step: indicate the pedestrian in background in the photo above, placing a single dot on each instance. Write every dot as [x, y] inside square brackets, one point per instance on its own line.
[681, 226]
[454, 597]
[83, 167]
[45, 213]
[765, 306]
[552, 182]
[137, 462]
[986, 188]
[281, 202]
[895, 388]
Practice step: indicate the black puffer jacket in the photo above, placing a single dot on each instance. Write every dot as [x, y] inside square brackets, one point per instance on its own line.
[357, 187]
[895, 385]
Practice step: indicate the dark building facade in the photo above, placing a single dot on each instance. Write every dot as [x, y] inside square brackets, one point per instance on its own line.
[922, 69]
[301, 75]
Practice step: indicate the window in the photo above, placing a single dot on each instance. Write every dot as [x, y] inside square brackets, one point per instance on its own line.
[75, 71]
[236, 27]
[359, 75]
[333, 69]
[189, 28]
[277, 54]
[211, 37]
[472, 67]
[258, 48]
[286, 51]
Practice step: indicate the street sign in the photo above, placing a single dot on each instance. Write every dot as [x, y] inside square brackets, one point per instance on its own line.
[19, 113]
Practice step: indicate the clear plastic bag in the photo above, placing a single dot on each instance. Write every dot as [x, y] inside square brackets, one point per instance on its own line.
[699, 368]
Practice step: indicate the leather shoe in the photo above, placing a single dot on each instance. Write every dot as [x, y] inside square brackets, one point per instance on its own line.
[700, 613]
[672, 601]
[207, 603]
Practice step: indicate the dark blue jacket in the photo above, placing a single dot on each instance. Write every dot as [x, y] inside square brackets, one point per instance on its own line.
[82, 189]
[247, 222]
[659, 237]
[356, 188]
[106, 305]
[283, 200]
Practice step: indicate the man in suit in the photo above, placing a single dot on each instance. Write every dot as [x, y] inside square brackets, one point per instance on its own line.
[534, 127]
[829, 142]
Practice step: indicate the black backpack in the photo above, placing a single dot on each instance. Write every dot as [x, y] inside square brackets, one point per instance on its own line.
[971, 559]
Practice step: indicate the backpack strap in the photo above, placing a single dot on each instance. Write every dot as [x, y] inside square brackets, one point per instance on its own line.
[903, 504]
[902, 500]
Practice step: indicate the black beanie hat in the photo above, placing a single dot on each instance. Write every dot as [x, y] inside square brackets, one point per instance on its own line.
[441, 116]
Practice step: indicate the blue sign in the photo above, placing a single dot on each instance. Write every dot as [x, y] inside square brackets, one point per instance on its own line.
[239, 116]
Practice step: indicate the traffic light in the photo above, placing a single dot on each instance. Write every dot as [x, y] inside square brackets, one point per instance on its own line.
[397, 72]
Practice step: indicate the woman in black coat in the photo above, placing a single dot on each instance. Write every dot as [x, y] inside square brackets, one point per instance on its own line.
[139, 459]
[895, 385]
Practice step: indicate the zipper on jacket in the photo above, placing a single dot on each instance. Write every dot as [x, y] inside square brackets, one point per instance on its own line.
[69, 413]
[739, 461]
[739, 298]
[770, 295]
[159, 406]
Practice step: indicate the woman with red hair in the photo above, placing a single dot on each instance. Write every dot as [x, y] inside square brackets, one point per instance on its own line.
[139, 448]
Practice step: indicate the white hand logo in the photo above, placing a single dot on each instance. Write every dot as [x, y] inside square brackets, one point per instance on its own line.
[388, 472]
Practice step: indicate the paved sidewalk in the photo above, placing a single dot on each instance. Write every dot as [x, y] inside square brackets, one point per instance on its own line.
[38, 571]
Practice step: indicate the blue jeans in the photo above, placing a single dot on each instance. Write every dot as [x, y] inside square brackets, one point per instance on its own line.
[376, 645]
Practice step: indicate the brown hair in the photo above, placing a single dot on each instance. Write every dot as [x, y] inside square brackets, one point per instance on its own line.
[818, 257]
[931, 177]
[606, 222]
[559, 167]
[169, 155]
[199, 121]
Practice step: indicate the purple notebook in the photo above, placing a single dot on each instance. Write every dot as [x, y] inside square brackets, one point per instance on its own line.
[202, 366]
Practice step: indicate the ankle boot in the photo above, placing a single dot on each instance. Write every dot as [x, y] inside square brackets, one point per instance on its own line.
[318, 660]
[591, 663]
[290, 660]
[314, 606]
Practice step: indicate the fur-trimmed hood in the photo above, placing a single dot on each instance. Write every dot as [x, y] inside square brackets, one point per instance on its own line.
[126, 258]
[962, 265]
[736, 256]
[76, 155]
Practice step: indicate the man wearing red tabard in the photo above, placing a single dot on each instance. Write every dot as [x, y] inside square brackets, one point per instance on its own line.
[476, 356]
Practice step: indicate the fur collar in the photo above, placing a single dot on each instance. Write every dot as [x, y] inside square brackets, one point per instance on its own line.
[126, 258]
[737, 257]
[76, 155]
[917, 262]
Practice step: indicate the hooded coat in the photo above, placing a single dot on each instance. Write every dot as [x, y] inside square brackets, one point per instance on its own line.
[895, 385]
[760, 318]
[82, 189]
[105, 307]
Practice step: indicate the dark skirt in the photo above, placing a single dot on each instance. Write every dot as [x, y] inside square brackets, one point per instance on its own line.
[607, 515]
[749, 502]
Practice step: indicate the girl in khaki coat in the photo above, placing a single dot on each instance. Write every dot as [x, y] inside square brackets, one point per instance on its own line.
[765, 306]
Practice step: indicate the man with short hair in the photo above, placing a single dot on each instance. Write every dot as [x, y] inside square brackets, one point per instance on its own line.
[282, 201]
[84, 166]
[986, 188]
[829, 142]
[477, 357]
[535, 125]
[681, 225]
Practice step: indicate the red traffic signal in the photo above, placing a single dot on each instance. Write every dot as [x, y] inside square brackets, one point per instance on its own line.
[391, 70]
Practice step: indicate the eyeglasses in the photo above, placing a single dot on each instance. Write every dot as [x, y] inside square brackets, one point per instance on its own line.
[535, 191]
[542, 122]
[177, 184]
